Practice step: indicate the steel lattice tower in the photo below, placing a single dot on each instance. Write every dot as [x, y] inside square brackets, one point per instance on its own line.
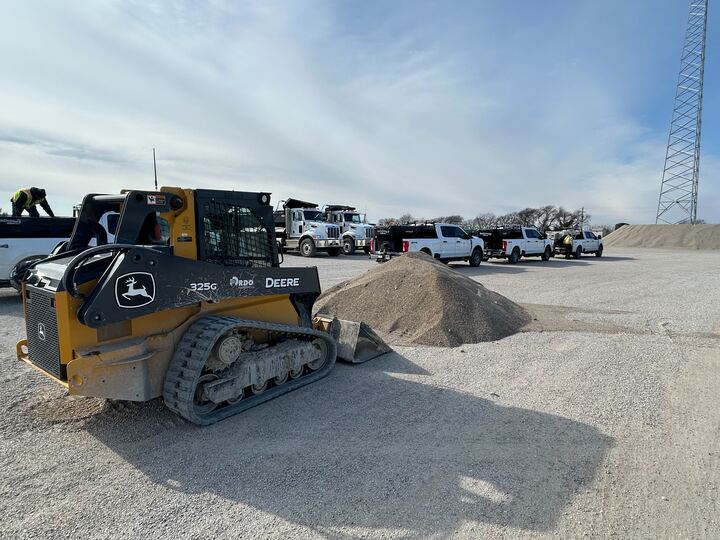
[679, 187]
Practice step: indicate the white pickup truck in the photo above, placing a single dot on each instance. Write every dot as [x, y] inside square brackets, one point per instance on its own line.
[26, 239]
[443, 241]
[573, 243]
[514, 242]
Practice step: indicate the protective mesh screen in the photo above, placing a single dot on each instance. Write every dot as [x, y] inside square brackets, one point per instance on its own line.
[234, 236]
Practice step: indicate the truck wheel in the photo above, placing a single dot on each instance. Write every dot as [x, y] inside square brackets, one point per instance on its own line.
[546, 254]
[578, 253]
[307, 248]
[598, 253]
[334, 252]
[348, 246]
[476, 257]
[426, 251]
[514, 256]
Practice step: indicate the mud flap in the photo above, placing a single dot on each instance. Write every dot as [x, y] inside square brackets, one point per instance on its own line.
[356, 341]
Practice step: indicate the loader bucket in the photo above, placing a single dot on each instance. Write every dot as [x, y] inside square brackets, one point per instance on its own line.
[356, 341]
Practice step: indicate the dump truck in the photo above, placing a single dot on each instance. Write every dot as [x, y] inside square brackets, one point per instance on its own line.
[188, 303]
[299, 226]
[355, 232]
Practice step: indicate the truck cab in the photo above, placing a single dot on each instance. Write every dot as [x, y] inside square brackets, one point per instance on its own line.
[299, 226]
[354, 229]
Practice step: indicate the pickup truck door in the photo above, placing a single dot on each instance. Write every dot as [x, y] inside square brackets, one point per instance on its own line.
[463, 244]
[532, 241]
[591, 242]
[453, 241]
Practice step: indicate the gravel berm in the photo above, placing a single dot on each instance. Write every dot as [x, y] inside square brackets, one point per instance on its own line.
[682, 236]
[416, 299]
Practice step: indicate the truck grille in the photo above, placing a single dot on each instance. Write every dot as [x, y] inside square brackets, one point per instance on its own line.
[42, 332]
[333, 232]
[369, 232]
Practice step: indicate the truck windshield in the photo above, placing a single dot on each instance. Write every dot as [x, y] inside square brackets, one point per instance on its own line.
[353, 218]
[312, 215]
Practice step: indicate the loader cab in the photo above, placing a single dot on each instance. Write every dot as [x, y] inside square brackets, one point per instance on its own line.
[222, 227]
[236, 228]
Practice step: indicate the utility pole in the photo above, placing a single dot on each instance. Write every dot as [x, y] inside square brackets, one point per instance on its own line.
[679, 185]
[155, 169]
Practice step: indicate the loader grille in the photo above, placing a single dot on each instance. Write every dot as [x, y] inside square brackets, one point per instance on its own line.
[235, 236]
[42, 331]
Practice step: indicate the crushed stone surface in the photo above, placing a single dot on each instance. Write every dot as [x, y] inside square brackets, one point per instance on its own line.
[560, 432]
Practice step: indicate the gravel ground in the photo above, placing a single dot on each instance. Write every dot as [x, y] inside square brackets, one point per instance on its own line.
[605, 426]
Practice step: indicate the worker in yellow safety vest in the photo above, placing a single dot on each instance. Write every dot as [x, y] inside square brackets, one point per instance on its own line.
[27, 199]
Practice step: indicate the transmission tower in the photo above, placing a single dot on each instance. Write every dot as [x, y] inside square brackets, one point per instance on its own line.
[679, 187]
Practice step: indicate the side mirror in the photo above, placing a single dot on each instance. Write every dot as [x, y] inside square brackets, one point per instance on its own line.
[599, 236]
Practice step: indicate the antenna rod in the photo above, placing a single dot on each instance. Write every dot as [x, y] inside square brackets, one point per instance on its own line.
[155, 169]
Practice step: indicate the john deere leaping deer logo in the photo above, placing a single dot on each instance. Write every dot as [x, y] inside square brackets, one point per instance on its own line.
[135, 290]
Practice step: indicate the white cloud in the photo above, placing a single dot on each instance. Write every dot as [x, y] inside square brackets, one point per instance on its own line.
[288, 98]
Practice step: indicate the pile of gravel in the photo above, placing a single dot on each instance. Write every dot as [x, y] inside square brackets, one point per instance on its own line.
[416, 299]
[665, 236]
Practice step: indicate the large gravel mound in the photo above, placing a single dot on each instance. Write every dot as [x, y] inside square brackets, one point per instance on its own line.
[665, 236]
[415, 299]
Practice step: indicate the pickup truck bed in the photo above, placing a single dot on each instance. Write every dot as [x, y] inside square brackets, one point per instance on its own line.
[514, 242]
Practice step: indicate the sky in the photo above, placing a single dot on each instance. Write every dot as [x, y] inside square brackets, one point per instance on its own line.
[431, 108]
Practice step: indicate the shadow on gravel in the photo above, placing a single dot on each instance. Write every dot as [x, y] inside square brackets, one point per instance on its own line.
[610, 258]
[503, 267]
[363, 451]
[10, 303]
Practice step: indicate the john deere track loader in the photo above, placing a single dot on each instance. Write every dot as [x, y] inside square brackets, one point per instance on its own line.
[188, 303]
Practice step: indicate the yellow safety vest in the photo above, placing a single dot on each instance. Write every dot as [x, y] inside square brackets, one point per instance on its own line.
[29, 200]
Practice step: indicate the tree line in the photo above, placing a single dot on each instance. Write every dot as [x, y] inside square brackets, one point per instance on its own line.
[544, 218]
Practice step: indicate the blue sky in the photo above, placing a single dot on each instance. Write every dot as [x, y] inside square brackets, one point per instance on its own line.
[430, 108]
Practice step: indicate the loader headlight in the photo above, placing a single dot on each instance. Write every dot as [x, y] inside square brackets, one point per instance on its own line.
[264, 198]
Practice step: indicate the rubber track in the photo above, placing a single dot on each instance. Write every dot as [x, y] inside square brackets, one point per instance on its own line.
[196, 345]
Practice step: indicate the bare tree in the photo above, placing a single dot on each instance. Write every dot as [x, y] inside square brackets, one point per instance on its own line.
[484, 221]
[508, 219]
[454, 219]
[405, 219]
[544, 217]
[527, 217]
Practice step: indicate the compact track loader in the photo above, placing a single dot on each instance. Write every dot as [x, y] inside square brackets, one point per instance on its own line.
[188, 302]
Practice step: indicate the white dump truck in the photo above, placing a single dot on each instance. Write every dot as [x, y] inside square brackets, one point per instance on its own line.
[354, 229]
[299, 226]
